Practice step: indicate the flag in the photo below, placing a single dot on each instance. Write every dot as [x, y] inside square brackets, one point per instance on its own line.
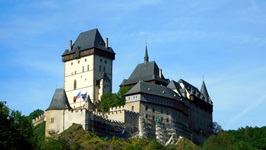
[84, 96]
[123, 131]
[76, 97]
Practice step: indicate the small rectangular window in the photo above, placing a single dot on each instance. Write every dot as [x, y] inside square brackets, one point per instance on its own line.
[82, 68]
[88, 67]
[100, 68]
[132, 108]
[52, 120]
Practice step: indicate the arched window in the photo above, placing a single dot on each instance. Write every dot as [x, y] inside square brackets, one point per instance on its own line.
[75, 84]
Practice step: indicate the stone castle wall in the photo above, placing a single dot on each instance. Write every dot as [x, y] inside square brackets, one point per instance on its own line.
[59, 120]
[38, 120]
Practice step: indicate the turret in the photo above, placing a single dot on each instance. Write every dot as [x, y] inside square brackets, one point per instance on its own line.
[146, 58]
[204, 91]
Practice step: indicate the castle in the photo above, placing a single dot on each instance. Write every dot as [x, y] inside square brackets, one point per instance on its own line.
[155, 106]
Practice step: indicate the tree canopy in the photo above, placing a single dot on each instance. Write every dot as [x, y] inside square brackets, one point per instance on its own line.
[109, 100]
[16, 131]
[36, 113]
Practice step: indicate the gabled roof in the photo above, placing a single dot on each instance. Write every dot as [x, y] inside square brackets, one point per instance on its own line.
[59, 100]
[147, 71]
[173, 85]
[203, 94]
[189, 87]
[153, 89]
[89, 39]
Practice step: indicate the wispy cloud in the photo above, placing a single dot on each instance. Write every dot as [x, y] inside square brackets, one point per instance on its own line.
[251, 106]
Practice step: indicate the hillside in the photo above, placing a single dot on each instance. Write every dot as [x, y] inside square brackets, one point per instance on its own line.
[76, 137]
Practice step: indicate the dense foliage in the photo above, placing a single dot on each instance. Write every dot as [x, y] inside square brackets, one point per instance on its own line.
[16, 131]
[109, 100]
[36, 113]
[248, 138]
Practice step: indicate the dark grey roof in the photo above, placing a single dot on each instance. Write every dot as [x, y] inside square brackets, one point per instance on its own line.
[146, 57]
[203, 90]
[153, 89]
[89, 39]
[174, 86]
[190, 88]
[145, 72]
[59, 101]
[205, 93]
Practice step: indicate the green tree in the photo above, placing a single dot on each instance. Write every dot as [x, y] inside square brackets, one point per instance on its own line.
[248, 138]
[121, 94]
[221, 141]
[16, 131]
[36, 113]
[51, 144]
[109, 100]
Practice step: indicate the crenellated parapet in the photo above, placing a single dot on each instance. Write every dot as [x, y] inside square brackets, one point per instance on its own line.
[119, 108]
[38, 120]
[114, 114]
[100, 114]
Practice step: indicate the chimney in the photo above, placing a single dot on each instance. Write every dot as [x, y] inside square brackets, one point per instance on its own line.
[160, 73]
[70, 45]
[106, 43]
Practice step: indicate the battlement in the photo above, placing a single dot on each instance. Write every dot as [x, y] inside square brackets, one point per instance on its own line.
[119, 108]
[38, 120]
[114, 114]
[104, 116]
[112, 110]
[100, 114]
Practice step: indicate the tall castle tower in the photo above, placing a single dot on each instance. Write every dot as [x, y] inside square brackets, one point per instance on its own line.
[88, 67]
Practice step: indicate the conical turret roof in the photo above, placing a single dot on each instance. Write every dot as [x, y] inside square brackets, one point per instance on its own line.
[204, 91]
[59, 100]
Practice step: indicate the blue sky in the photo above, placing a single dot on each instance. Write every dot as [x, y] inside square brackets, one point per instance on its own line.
[222, 40]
